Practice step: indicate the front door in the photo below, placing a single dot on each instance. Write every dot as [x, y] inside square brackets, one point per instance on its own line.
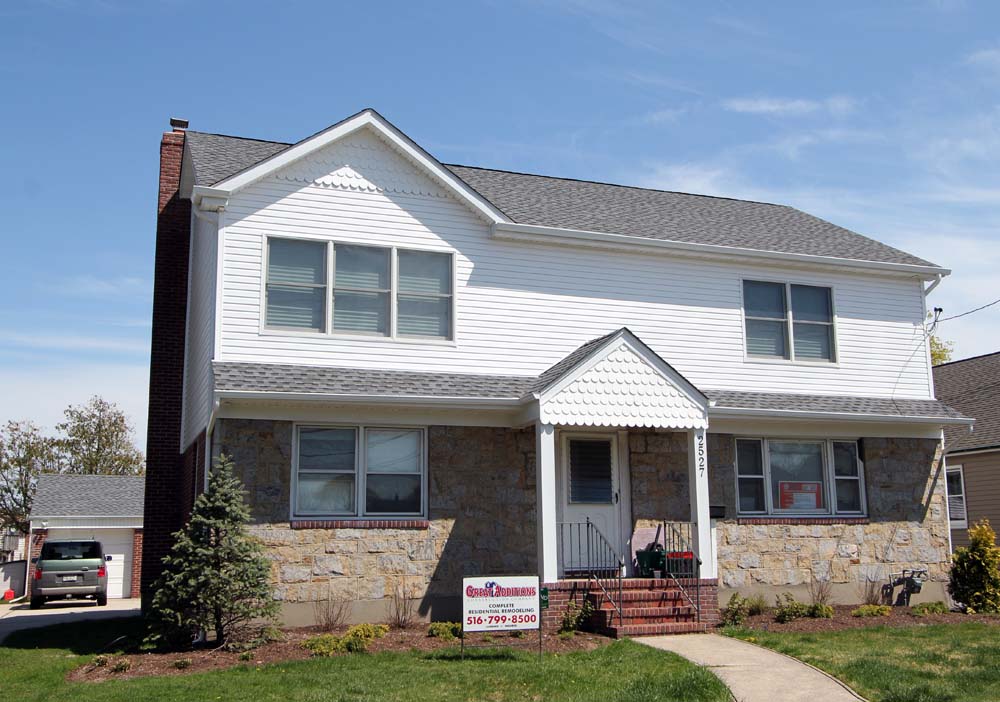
[591, 490]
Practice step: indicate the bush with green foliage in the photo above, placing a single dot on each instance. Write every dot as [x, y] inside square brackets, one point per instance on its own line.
[735, 613]
[925, 608]
[787, 608]
[216, 577]
[355, 640]
[445, 630]
[975, 571]
[182, 663]
[871, 610]
[821, 611]
[575, 616]
[756, 604]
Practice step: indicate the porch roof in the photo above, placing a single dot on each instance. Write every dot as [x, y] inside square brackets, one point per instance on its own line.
[314, 382]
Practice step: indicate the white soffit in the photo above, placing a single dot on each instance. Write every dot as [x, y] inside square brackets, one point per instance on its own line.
[624, 384]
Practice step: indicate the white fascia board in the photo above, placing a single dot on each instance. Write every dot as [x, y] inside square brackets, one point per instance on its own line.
[532, 233]
[971, 452]
[501, 403]
[365, 118]
[209, 199]
[749, 413]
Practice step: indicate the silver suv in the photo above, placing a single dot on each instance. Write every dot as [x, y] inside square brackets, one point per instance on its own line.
[70, 569]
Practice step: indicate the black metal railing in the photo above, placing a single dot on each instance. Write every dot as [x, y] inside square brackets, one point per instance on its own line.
[681, 561]
[584, 552]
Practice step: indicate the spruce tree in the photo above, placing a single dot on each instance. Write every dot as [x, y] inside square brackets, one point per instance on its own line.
[216, 577]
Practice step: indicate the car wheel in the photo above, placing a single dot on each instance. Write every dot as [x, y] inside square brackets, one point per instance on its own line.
[102, 599]
[36, 603]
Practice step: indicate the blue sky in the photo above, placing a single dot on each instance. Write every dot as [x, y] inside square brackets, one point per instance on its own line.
[882, 117]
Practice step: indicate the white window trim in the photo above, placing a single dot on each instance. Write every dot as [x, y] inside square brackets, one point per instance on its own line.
[957, 523]
[789, 325]
[360, 474]
[829, 480]
[265, 329]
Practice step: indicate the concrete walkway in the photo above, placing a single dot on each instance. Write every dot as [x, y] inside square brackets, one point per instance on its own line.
[19, 616]
[755, 674]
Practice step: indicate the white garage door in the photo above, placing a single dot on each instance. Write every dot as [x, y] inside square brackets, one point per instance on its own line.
[117, 544]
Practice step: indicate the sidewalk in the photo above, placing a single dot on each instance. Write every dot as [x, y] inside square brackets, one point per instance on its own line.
[754, 674]
[19, 616]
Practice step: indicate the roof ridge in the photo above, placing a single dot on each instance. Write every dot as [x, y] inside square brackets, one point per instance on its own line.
[243, 138]
[970, 358]
[617, 185]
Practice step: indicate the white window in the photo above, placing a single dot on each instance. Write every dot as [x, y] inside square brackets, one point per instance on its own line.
[788, 321]
[956, 498]
[371, 290]
[359, 472]
[799, 477]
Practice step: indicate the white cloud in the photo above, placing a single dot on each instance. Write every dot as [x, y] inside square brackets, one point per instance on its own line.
[41, 393]
[985, 58]
[664, 116]
[837, 105]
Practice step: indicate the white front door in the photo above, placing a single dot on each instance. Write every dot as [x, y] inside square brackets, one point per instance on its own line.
[591, 490]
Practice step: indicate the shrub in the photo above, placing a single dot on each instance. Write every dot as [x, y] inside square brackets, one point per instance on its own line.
[567, 635]
[324, 645]
[246, 656]
[444, 630]
[100, 661]
[821, 611]
[517, 634]
[331, 614]
[182, 663]
[975, 571]
[355, 640]
[575, 616]
[870, 591]
[756, 604]
[736, 612]
[925, 608]
[872, 610]
[789, 609]
[820, 591]
[122, 665]
[216, 576]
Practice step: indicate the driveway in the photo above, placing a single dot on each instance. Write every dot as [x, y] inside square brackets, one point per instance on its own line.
[17, 617]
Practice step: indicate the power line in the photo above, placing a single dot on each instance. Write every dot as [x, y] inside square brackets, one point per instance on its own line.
[964, 314]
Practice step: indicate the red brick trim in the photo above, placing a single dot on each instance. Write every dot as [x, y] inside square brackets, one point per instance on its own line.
[136, 562]
[806, 521]
[37, 540]
[361, 524]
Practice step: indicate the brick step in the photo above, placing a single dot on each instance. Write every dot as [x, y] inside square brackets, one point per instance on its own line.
[639, 598]
[607, 619]
[618, 632]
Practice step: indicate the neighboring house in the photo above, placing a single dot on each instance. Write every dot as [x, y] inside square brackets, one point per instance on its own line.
[107, 508]
[426, 371]
[973, 457]
[13, 545]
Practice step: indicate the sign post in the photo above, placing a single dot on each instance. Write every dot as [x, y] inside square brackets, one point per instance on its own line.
[502, 603]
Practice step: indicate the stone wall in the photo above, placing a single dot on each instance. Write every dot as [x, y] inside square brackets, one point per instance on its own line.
[658, 470]
[906, 526]
[481, 498]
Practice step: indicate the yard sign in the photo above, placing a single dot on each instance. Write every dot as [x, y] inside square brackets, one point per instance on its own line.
[500, 603]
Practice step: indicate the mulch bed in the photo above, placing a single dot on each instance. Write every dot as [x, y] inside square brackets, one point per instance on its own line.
[140, 665]
[842, 619]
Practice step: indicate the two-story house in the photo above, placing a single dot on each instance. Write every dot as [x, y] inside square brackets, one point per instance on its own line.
[426, 371]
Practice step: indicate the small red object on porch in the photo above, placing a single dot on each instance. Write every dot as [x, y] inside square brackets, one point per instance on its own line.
[687, 555]
[8, 594]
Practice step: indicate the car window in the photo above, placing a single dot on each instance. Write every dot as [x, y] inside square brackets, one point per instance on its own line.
[70, 550]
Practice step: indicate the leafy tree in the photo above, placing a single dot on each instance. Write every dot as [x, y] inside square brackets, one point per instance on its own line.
[216, 577]
[975, 571]
[24, 455]
[98, 439]
[940, 350]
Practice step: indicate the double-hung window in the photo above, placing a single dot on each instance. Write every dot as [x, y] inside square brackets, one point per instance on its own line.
[369, 290]
[799, 477]
[788, 321]
[957, 514]
[359, 472]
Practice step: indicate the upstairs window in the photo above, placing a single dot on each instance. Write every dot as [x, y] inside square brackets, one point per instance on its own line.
[788, 321]
[370, 290]
[956, 498]
[786, 477]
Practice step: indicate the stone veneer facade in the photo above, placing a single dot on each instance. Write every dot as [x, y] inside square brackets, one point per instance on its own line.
[481, 519]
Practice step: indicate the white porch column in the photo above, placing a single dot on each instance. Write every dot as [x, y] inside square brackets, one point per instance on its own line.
[698, 491]
[545, 486]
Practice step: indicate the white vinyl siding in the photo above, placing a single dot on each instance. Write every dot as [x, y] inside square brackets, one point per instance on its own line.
[957, 513]
[199, 344]
[519, 308]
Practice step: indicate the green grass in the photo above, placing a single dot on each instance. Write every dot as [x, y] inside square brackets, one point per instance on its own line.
[34, 664]
[936, 663]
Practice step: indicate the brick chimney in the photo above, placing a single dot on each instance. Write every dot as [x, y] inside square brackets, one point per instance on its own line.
[168, 491]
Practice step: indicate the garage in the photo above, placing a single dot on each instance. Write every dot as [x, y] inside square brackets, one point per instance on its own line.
[106, 508]
[117, 544]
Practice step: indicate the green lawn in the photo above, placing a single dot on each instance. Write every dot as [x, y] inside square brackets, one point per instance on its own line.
[935, 663]
[623, 671]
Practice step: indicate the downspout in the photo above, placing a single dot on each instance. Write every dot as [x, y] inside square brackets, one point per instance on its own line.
[216, 403]
[930, 288]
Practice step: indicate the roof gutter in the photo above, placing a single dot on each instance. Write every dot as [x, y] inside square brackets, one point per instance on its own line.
[532, 233]
[344, 398]
[843, 416]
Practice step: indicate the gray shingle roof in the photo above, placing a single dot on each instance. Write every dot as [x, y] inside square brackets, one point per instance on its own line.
[606, 208]
[282, 378]
[973, 386]
[734, 399]
[88, 496]
[255, 377]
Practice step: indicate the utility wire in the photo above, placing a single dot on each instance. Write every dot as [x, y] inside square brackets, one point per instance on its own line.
[956, 316]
